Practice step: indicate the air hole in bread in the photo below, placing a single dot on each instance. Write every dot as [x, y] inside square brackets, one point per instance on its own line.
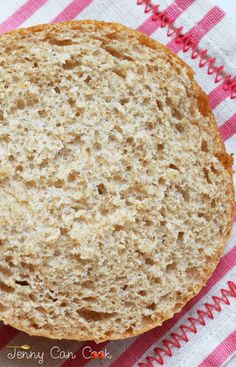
[41, 309]
[175, 111]
[152, 68]
[144, 163]
[204, 146]
[88, 150]
[101, 189]
[19, 168]
[79, 112]
[152, 306]
[112, 137]
[22, 283]
[119, 72]
[31, 100]
[57, 90]
[184, 192]
[204, 215]
[149, 261]
[3, 307]
[44, 163]
[213, 203]
[59, 184]
[150, 125]
[173, 166]
[130, 140]
[159, 104]
[113, 36]
[142, 293]
[30, 157]
[118, 228]
[97, 145]
[63, 231]
[34, 325]
[70, 64]
[214, 170]
[206, 175]
[6, 288]
[20, 104]
[160, 147]
[5, 137]
[118, 128]
[60, 43]
[88, 79]
[5, 271]
[42, 113]
[148, 222]
[27, 266]
[180, 236]
[171, 267]
[9, 261]
[124, 101]
[87, 284]
[8, 49]
[71, 102]
[117, 54]
[53, 299]
[128, 304]
[180, 128]
[63, 304]
[30, 184]
[157, 280]
[73, 175]
[91, 315]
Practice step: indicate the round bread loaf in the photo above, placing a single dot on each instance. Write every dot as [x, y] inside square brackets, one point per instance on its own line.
[116, 194]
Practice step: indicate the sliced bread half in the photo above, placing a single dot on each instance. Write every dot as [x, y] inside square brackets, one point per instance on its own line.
[116, 194]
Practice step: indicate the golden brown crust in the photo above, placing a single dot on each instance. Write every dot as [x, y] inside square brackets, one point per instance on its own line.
[205, 109]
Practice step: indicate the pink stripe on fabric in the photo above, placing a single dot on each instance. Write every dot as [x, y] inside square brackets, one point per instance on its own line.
[21, 15]
[221, 353]
[228, 129]
[174, 11]
[218, 95]
[80, 360]
[72, 10]
[209, 21]
[145, 341]
[7, 333]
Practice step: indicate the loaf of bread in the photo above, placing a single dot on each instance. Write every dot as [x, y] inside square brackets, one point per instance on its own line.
[116, 193]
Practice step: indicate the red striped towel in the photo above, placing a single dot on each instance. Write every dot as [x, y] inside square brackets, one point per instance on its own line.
[203, 334]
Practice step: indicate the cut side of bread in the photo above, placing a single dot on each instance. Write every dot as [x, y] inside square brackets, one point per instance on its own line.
[116, 193]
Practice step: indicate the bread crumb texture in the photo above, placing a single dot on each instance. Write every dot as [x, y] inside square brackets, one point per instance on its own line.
[116, 190]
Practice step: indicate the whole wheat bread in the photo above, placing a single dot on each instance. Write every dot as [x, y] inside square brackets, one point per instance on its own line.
[116, 190]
